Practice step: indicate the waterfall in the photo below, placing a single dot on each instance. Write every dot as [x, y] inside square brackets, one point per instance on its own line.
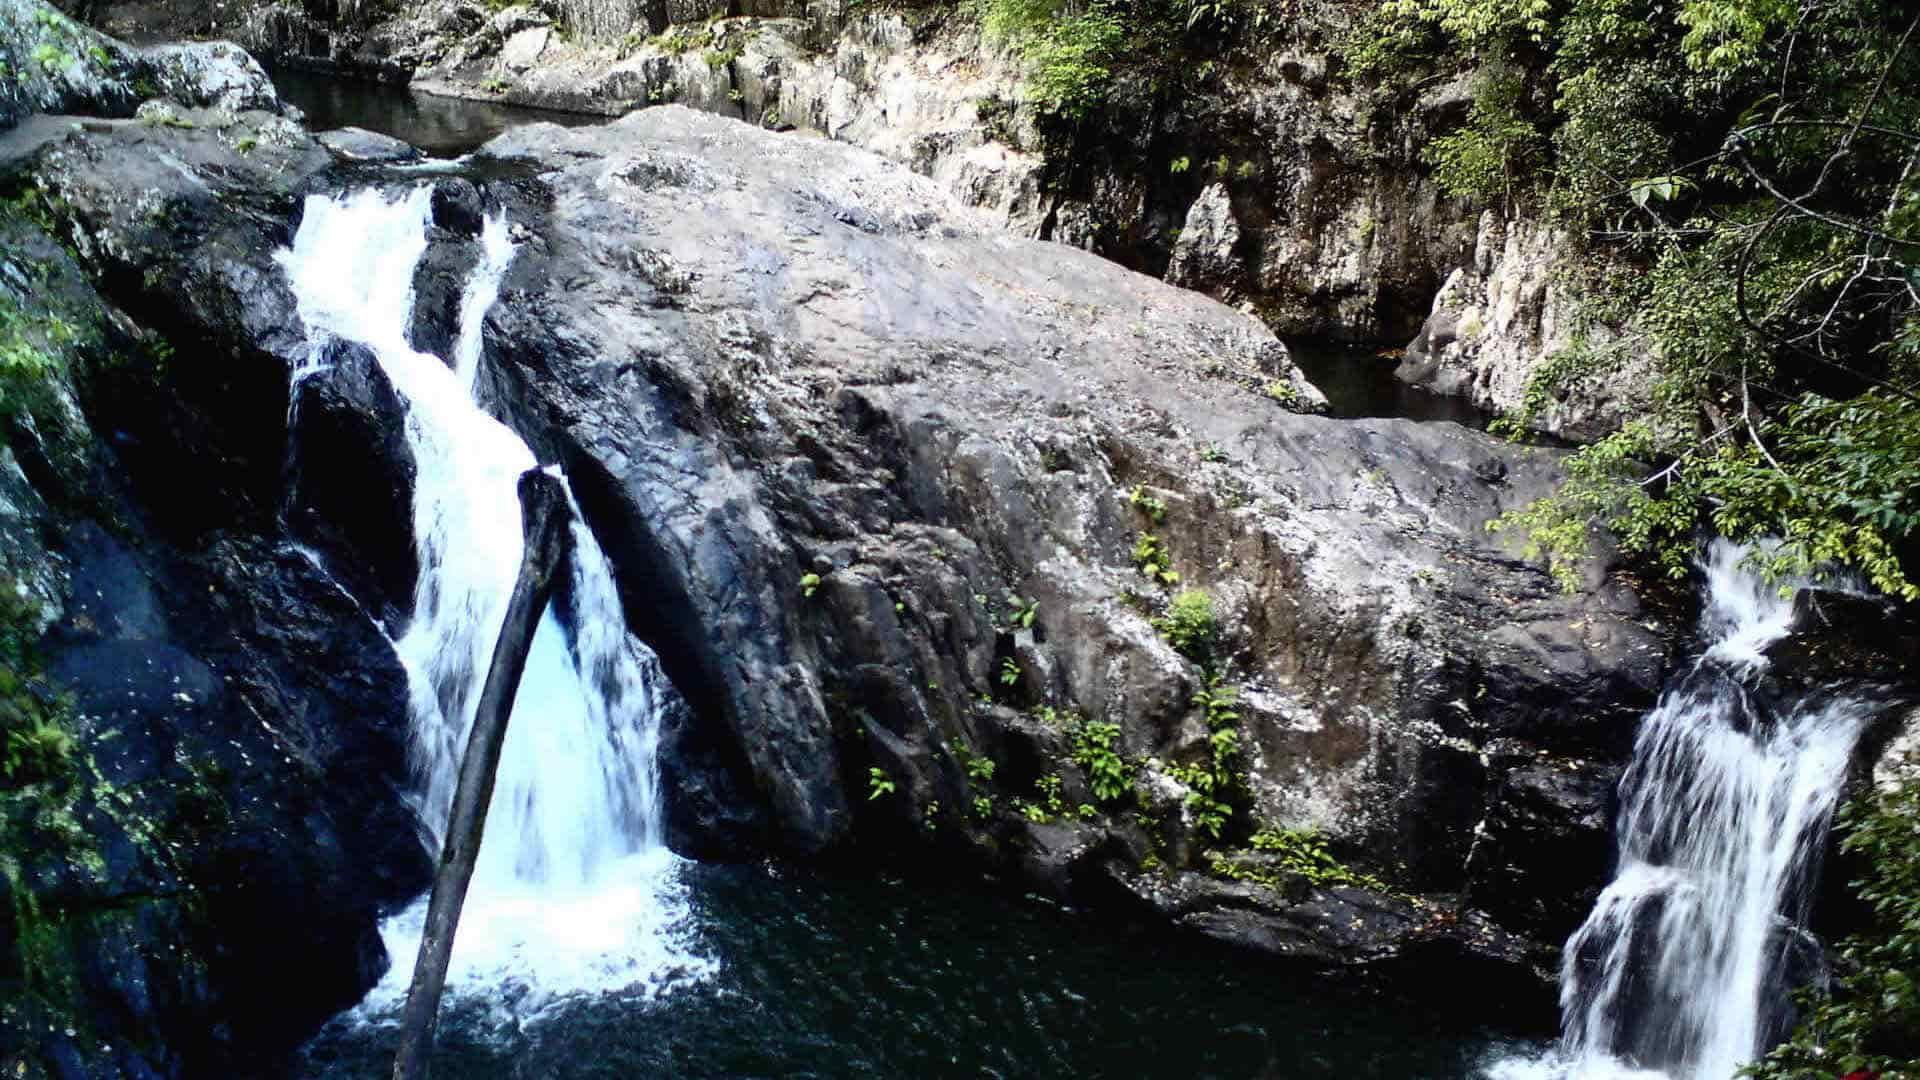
[573, 891]
[1684, 966]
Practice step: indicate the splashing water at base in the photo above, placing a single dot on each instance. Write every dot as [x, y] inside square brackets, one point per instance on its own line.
[574, 892]
[1684, 967]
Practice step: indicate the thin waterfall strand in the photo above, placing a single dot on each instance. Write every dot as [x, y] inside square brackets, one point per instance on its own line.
[573, 891]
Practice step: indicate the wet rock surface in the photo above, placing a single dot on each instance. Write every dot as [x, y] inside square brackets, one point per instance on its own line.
[229, 811]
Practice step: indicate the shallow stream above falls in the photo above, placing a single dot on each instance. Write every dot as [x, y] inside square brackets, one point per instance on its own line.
[440, 126]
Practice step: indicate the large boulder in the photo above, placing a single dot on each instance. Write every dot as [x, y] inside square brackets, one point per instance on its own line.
[826, 420]
[53, 64]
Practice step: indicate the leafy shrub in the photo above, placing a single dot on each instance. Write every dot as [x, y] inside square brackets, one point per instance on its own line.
[1189, 625]
[1072, 55]
[1152, 557]
[1208, 813]
[1304, 852]
[1869, 1024]
[1095, 750]
[1486, 160]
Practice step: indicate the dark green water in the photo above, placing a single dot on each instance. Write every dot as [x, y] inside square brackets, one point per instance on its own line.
[1359, 382]
[443, 127]
[825, 977]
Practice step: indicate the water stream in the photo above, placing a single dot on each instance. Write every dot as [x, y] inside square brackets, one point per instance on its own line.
[574, 891]
[1683, 969]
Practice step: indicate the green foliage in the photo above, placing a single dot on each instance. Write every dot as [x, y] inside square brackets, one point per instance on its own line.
[1208, 813]
[1189, 625]
[1296, 856]
[1209, 783]
[1832, 480]
[1025, 612]
[1285, 393]
[1095, 749]
[879, 784]
[1009, 672]
[1743, 168]
[1478, 22]
[1726, 37]
[809, 584]
[35, 742]
[1486, 160]
[1304, 852]
[1049, 787]
[1152, 506]
[1071, 54]
[1869, 1024]
[1152, 558]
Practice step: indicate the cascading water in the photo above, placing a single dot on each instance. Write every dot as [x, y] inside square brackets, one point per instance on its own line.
[1683, 968]
[574, 891]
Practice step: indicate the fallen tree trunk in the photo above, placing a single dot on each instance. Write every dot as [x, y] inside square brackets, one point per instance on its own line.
[543, 514]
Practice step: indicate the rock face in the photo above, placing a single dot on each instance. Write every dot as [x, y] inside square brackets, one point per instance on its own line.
[897, 496]
[1507, 332]
[1277, 183]
[1341, 232]
[842, 421]
[55, 65]
[229, 812]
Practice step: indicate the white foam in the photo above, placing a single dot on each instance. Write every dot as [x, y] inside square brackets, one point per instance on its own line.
[1724, 815]
[573, 892]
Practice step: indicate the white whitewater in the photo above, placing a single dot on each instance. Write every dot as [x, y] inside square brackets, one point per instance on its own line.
[1683, 968]
[574, 892]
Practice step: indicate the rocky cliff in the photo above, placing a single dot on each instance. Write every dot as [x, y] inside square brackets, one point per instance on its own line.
[1269, 180]
[965, 549]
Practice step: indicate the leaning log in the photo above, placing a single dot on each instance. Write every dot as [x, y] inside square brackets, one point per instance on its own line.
[543, 514]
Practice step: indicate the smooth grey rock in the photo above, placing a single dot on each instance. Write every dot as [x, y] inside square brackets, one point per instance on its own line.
[1501, 318]
[523, 49]
[359, 144]
[756, 352]
[212, 74]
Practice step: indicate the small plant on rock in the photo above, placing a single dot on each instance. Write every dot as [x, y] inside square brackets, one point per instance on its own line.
[1094, 749]
[1155, 508]
[1189, 625]
[1151, 556]
[879, 784]
[1024, 611]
